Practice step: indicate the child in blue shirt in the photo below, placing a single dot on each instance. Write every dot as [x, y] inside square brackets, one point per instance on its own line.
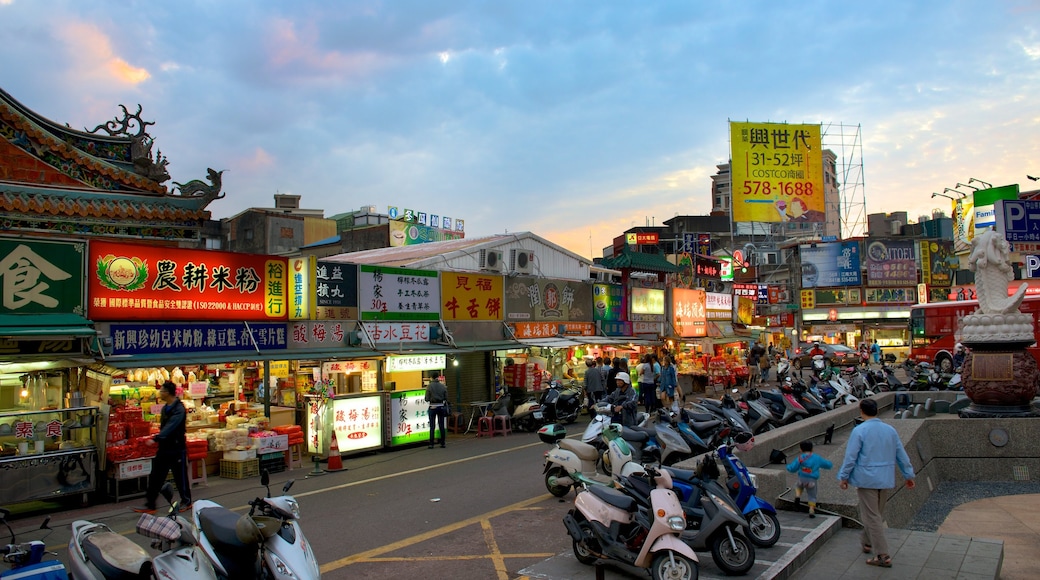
[808, 466]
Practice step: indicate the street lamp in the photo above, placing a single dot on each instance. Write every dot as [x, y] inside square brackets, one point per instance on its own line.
[943, 195]
[962, 194]
[973, 180]
[966, 185]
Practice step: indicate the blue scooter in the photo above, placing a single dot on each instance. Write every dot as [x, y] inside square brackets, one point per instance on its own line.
[26, 559]
[763, 525]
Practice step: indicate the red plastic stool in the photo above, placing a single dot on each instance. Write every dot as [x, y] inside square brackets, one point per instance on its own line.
[485, 427]
[456, 423]
[501, 425]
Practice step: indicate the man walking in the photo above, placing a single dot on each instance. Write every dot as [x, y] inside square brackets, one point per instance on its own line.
[595, 389]
[173, 450]
[873, 451]
[437, 395]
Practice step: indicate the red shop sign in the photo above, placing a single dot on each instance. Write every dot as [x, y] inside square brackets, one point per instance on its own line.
[133, 282]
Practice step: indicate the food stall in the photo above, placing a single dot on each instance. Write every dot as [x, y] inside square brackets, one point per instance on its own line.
[346, 408]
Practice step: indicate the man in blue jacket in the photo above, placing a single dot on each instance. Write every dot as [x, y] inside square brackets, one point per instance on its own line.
[173, 450]
[871, 457]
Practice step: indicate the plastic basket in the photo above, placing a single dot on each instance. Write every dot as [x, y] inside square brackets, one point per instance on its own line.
[239, 469]
[273, 462]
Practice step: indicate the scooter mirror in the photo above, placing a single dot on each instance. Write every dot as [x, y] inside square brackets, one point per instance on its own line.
[265, 478]
[743, 437]
[46, 523]
[288, 484]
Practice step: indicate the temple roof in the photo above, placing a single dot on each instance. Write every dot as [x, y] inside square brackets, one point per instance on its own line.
[640, 262]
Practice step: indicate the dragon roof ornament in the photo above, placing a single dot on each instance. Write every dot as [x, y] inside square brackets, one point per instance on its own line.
[140, 143]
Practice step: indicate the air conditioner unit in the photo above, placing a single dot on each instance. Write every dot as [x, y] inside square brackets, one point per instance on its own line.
[522, 261]
[491, 260]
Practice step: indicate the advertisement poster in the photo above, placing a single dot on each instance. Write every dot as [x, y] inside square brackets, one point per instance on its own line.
[744, 312]
[833, 264]
[891, 263]
[891, 296]
[409, 417]
[985, 214]
[301, 288]
[41, 277]
[132, 282]
[335, 292]
[777, 172]
[197, 338]
[539, 299]
[403, 233]
[938, 263]
[719, 306]
[963, 224]
[398, 294]
[689, 312]
[471, 296]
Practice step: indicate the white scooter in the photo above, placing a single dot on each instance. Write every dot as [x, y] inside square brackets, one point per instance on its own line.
[574, 463]
[270, 545]
[95, 551]
[607, 524]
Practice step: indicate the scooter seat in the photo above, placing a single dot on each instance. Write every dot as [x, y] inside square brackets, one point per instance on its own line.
[700, 417]
[613, 497]
[239, 559]
[681, 474]
[650, 430]
[702, 426]
[116, 556]
[584, 451]
[634, 436]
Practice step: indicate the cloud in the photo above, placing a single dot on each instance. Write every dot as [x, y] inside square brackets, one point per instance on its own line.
[92, 57]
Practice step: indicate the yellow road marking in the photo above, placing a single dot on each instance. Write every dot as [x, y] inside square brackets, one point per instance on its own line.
[377, 552]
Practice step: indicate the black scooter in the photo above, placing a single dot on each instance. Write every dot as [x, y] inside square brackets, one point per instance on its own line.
[560, 404]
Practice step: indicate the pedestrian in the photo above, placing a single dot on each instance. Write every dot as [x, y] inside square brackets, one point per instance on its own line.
[873, 452]
[172, 452]
[670, 390]
[764, 364]
[605, 369]
[808, 468]
[623, 401]
[437, 396]
[875, 352]
[647, 388]
[595, 390]
[615, 368]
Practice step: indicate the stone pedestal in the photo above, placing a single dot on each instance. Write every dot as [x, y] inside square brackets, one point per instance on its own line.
[1000, 382]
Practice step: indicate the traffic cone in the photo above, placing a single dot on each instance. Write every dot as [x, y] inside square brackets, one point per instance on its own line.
[335, 461]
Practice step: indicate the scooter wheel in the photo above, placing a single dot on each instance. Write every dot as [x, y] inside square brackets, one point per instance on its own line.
[736, 558]
[669, 565]
[581, 549]
[552, 474]
[763, 528]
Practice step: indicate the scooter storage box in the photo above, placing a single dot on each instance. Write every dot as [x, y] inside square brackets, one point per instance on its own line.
[552, 433]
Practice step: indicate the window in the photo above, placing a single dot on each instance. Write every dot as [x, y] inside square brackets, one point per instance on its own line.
[248, 234]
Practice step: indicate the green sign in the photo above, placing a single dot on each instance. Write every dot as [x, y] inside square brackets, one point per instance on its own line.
[41, 276]
[792, 306]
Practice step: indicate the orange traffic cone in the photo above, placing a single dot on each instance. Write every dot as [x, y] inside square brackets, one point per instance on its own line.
[335, 461]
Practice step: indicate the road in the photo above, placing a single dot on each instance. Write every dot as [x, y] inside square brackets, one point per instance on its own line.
[477, 509]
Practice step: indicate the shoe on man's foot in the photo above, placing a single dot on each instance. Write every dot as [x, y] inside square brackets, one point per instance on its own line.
[184, 507]
[430, 447]
[145, 510]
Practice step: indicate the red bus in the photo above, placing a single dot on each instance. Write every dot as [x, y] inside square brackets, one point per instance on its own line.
[934, 329]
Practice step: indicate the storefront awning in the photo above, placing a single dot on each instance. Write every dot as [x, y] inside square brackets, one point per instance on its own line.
[556, 342]
[39, 326]
[180, 359]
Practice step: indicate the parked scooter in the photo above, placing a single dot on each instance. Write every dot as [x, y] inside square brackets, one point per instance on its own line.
[560, 404]
[763, 525]
[673, 440]
[725, 410]
[713, 521]
[783, 369]
[606, 524]
[95, 551]
[267, 545]
[804, 396]
[759, 417]
[575, 464]
[26, 559]
[783, 405]
[527, 416]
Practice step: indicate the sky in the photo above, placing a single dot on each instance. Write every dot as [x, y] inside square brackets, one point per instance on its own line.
[575, 120]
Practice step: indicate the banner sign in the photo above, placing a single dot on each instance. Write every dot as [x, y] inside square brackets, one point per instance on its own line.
[1020, 222]
[410, 417]
[891, 263]
[606, 302]
[689, 312]
[642, 238]
[891, 295]
[41, 277]
[336, 295]
[398, 294]
[719, 306]
[132, 282]
[963, 224]
[985, 212]
[397, 332]
[358, 423]
[301, 288]
[196, 338]
[523, 330]
[707, 268]
[938, 263]
[777, 172]
[744, 311]
[415, 362]
[704, 244]
[312, 334]
[826, 265]
[617, 328]
[471, 296]
[538, 299]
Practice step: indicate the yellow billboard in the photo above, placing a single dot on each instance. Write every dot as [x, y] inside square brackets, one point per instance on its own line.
[471, 296]
[777, 172]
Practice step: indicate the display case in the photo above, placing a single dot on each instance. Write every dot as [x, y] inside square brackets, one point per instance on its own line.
[47, 454]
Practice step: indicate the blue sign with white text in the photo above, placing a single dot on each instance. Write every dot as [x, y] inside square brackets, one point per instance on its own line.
[1018, 219]
[826, 265]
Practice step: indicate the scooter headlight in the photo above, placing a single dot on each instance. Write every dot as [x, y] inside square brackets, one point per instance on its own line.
[677, 523]
[281, 570]
[754, 479]
[294, 508]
